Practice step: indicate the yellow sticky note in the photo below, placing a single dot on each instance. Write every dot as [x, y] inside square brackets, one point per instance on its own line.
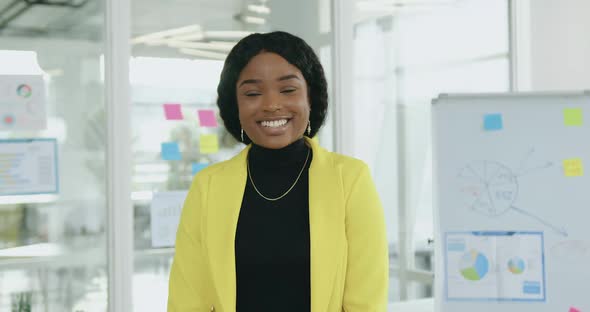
[573, 167]
[209, 144]
[573, 117]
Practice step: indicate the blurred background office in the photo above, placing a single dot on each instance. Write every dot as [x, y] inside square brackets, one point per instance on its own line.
[102, 236]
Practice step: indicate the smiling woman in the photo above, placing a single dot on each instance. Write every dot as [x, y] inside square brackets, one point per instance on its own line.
[272, 101]
[261, 63]
[285, 225]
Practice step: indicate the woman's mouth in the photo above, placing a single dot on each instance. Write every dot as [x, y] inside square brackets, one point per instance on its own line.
[275, 127]
[274, 123]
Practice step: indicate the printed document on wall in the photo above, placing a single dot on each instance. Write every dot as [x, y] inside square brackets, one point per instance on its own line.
[28, 166]
[165, 213]
[22, 102]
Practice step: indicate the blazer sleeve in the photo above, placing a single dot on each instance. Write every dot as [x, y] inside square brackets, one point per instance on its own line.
[367, 276]
[186, 285]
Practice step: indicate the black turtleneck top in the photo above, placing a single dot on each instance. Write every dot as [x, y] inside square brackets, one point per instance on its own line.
[272, 237]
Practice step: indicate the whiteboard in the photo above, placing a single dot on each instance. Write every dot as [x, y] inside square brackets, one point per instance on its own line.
[512, 202]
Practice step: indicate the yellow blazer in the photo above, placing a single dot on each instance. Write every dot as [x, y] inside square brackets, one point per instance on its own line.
[349, 257]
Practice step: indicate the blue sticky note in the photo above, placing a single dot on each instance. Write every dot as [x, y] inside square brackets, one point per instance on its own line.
[492, 122]
[170, 151]
[198, 167]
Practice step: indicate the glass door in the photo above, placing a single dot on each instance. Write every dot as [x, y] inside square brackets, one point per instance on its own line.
[53, 195]
[176, 129]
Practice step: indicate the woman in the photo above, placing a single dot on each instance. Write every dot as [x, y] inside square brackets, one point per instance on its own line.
[285, 225]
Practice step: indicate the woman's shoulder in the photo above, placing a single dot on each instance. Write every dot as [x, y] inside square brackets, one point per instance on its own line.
[335, 159]
[212, 169]
[234, 163]
[346, 164]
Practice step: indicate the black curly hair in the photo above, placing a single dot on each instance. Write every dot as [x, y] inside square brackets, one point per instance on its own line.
[293, 49]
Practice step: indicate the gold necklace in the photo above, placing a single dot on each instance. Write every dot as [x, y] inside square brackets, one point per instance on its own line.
[289, 190]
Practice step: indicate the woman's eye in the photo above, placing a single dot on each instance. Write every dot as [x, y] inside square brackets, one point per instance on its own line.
[288, 90]
[252, 94]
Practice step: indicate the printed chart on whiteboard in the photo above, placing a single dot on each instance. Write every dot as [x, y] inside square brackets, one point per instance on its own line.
[502, 266]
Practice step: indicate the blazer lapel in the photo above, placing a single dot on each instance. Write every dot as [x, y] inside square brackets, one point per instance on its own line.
[326, 218]
[226, 191]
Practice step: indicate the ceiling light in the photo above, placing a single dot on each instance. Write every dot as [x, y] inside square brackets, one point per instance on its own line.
[186, 30]
[253, 19]
[259, 8]
[189, 37]
[202, 53]
[201, 45]
[227, 34]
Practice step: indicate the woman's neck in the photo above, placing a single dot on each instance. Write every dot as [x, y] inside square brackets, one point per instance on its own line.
[289, 155]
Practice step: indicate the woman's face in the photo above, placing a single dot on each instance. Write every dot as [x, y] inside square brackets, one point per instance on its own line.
[272, 101]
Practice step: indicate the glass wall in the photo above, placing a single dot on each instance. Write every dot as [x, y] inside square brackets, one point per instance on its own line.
[178, 49]
[52, 157]
[52, 115]
[405, 55]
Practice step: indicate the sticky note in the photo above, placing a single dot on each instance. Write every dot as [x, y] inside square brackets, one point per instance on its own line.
[573, 167]
[207, 118]
[492, 122]
[209, 144]
[196, 167]
[173, 112]
[573, 116]
[170, 151]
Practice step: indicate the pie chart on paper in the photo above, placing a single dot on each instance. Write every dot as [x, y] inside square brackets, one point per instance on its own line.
[516, 266]
[474, 265]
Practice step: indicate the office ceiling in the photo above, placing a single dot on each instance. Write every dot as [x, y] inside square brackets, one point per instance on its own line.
[51, 18]
[85, 18]
[207, 20]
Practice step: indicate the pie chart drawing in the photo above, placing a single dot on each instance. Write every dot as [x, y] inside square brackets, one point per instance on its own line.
[474, 265]
[24, 90]
[516, 266]
[488, 187]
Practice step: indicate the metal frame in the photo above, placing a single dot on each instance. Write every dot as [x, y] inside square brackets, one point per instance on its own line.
[118, 108]
[520, 44]
[342, 56]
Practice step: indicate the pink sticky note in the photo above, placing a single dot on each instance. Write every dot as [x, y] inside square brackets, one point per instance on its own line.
[173, 112]
[207, 118]
[572, 309]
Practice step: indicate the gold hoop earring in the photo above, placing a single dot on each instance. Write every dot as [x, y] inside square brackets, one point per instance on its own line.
[242, 134]
[308, 128]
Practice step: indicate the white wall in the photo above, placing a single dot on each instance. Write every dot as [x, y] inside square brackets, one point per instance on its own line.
[559, 45]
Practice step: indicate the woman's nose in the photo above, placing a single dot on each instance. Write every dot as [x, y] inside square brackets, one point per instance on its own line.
[271, 103]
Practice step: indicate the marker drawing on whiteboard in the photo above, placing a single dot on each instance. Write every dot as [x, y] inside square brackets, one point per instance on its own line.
[491, 188]
[561, 231]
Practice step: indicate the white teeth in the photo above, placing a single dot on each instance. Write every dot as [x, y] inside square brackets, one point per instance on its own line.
[274, 123]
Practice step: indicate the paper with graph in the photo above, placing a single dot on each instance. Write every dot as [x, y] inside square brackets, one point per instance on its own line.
[503, 266]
